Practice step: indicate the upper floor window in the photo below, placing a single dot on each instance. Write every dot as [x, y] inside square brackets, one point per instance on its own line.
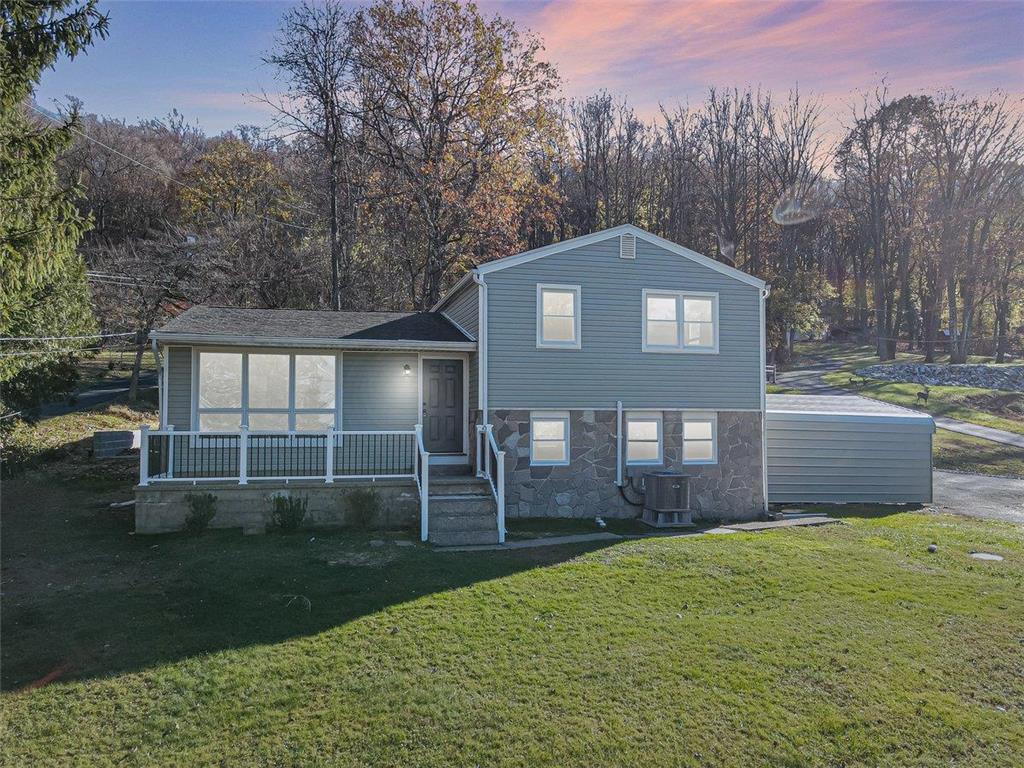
[678, 321]
[558, 316]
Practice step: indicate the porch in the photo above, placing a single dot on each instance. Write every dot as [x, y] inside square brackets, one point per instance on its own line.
[454, 503]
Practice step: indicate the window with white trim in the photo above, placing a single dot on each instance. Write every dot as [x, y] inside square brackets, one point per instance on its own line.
[678, 321]
[549, 438]
[700, 438]
[283, 391]
[558, 316]
[644, 438]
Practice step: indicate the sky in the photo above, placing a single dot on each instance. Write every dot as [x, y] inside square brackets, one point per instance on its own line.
[204, 58]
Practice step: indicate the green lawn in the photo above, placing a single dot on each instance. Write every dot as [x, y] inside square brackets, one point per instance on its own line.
[97, 368]
[988, 407]
[841, 645]
[964, 453]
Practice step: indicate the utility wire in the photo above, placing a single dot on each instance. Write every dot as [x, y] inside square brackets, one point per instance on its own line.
[151, 169]
[65, 338]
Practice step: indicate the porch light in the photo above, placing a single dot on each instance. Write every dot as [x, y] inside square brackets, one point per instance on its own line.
[406, 370]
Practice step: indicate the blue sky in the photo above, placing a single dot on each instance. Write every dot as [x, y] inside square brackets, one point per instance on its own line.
[204, 57]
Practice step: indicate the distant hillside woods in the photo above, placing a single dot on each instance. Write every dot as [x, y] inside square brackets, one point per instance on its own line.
[422, 139]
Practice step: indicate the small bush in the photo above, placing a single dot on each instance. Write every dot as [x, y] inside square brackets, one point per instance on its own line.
[201, 509]
[364, 506]
[288, 512]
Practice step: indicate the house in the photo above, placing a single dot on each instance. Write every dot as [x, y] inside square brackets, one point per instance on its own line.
[542, 384]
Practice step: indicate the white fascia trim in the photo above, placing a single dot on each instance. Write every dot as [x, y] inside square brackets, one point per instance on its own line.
[604, 234]
[350, 344]
[630, 408]
[452, 320]
[451, 292]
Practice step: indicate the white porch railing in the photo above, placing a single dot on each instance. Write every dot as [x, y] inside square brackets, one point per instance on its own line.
[490, 463]
[422, 474]
[243, 456]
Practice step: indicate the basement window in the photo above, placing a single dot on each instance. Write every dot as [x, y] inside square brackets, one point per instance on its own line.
[700, 438]
[643, 438]
[549, 439]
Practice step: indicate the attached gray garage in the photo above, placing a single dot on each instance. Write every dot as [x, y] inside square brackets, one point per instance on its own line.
[847, 449]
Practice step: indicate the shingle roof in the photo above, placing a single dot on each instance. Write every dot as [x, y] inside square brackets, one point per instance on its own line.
[852, 405]
[248, 324]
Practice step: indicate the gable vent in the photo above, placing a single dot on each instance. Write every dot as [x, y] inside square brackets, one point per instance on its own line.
[627, 246]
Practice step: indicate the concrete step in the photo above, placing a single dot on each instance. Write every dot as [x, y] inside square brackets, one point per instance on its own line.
[462, 506]
[463, 538]
[454, 523]
[458, 484]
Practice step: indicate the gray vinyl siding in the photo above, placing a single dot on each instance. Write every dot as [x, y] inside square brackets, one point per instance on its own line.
[375, 392]
[179, 387]
[611, 365]
[464, 309]
[832, 458]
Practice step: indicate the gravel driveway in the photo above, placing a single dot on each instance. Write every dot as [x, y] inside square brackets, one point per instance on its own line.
[993, 498]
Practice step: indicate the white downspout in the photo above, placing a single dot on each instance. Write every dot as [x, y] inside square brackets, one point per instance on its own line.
[764, 400]
[618, 443]
[161, 382]
[481, 345]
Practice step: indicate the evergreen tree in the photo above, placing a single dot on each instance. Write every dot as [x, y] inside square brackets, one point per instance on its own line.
[43, 288]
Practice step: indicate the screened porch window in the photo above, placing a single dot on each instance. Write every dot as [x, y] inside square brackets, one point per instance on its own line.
[282, 392]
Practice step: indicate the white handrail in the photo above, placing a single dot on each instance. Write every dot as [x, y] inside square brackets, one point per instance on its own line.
[497, 484]
[424, 483]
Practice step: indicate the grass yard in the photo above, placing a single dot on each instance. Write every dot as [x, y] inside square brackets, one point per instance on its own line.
[97, 368]
[842, 645]
[963, 453]
[988, 407]
[68, 437]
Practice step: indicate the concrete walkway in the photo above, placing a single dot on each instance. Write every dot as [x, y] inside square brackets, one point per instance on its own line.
[976, 430]
[583, 538]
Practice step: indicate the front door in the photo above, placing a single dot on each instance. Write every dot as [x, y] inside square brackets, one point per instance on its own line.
[442, 405]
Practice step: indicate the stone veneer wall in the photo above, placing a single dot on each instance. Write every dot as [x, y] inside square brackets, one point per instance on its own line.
[732, 489]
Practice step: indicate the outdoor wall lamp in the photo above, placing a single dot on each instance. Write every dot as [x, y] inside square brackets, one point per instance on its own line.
[406, 370]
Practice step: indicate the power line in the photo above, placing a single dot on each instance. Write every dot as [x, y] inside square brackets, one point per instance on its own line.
[51, 351]
[151, 169]
[65, 338]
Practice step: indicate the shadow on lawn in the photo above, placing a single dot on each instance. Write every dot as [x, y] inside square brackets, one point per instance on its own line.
[86, 598]
[865, 511]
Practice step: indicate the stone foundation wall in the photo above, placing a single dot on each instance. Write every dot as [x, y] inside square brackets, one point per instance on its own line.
[161, 507]
[732, 489]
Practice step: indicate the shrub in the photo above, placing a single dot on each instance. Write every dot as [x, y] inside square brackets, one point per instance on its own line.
[364, 506]
[288, 512]
[201, 509]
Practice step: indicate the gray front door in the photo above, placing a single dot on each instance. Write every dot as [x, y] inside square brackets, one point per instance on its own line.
[442, 405]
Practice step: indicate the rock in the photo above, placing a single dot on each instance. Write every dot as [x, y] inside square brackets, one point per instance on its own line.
[933, 548]
[1005, 377]
[376, 543]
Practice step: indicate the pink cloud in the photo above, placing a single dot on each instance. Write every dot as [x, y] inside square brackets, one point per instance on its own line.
[664, 52]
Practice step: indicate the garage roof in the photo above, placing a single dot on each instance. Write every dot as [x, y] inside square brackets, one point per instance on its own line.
[841, 405]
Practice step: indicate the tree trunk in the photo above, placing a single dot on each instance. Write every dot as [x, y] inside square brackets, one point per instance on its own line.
[954, 347]
[335, 246]
[1002, 321]
[140, 349]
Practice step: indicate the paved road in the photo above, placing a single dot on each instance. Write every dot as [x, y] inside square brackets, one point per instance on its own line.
[810, 381]
[992, 498]
[92, 397]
